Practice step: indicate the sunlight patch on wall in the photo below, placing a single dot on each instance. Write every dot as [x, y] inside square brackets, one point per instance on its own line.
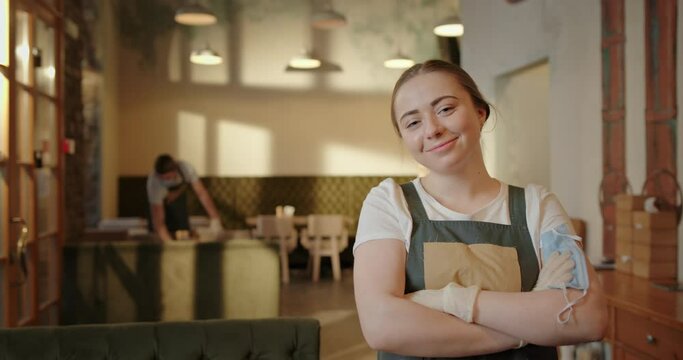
[215, 37]
[192, 140]
[522, 137]
[242, 150]
[341, 159]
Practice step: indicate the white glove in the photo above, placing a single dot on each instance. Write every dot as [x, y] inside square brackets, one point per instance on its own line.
[556, 271]
[215, 226]
[453, 299]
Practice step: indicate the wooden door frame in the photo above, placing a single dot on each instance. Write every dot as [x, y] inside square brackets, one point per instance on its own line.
[53, 17]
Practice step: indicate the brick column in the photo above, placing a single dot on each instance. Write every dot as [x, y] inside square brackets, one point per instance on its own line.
[613, 114]
[660, 108]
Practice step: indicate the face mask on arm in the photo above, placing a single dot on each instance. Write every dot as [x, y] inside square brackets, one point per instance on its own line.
[561, 240]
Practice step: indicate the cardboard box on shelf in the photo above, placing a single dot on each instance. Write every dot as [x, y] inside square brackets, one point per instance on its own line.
[624, 233]
[624, 256]
[655, 237]
[658, 220]
[653, 254]
[629, 202]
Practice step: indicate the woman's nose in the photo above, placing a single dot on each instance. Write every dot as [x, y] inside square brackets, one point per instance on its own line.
[433, 127]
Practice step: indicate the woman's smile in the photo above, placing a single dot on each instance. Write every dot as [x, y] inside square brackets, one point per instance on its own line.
[443, 145]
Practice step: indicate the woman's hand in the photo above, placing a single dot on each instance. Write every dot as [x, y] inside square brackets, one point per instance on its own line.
[557, 270]
[452, 299]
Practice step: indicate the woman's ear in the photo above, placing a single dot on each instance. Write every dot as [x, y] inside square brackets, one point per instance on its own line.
[481, 117]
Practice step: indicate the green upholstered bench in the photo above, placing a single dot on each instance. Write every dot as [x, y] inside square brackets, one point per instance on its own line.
[129, 281]
[278, 338]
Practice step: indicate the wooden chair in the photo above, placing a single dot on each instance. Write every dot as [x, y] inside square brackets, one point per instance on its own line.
[325, 235]
[280, 231]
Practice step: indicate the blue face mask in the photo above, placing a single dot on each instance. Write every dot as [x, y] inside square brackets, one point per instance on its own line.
[560, 239]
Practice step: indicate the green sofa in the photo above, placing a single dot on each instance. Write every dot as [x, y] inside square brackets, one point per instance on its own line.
[279, 338]
[133, 281]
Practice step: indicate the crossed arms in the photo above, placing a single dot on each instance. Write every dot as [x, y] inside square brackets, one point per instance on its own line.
[391, 322]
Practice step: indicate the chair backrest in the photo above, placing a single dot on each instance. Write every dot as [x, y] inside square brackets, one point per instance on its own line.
[272, 228]
[327, 226]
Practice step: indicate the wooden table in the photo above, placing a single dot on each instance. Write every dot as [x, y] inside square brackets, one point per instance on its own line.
[298, 220]
[646, 322]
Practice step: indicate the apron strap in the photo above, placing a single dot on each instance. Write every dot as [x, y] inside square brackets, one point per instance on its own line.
[517, 205]
[415, 207]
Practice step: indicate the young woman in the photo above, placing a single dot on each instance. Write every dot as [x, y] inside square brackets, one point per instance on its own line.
[472, 240]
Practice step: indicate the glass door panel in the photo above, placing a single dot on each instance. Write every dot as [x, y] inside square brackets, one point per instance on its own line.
[45, 140]
[47, 270]
[25, 294]
[26, 192]
[24, 127]
[44, 57]
[23, 48]
[4, 33]
[47, 201]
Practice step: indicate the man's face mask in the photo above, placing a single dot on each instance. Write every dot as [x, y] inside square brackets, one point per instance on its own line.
[560, 239]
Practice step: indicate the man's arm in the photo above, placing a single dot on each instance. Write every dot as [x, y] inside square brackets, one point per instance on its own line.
[205, 199]
[159, 222]
[395, 324]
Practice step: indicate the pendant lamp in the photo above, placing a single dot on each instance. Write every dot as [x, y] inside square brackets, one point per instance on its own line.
[399, 61]
[303, 61]
[327, 18]
[450, 27]
[194, 14]
[205, 56]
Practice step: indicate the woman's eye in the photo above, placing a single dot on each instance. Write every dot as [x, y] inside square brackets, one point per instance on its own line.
[445, 110]
[411, 123]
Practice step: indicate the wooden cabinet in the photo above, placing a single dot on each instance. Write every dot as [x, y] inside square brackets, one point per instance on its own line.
[646, 322]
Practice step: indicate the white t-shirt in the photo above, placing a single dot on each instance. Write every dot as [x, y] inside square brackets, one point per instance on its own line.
[385, 213]
[157, 190]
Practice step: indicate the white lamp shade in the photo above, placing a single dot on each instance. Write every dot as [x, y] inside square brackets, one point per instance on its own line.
[205, 56]
[327, 19]
[194, 15]
[450, 27]
[304, 61]
[399, 61]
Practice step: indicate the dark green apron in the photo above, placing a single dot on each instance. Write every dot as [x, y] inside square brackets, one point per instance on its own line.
[473, 232]
[176, 216]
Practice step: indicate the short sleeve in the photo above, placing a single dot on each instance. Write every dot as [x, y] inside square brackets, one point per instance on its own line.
[155, 191]
[384, 215]
[544, 213]
[189, 172]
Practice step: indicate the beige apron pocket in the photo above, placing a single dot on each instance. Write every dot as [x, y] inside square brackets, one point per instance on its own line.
[491, 267]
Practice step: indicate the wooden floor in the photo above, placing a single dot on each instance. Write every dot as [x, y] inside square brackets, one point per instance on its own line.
[333, 305]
